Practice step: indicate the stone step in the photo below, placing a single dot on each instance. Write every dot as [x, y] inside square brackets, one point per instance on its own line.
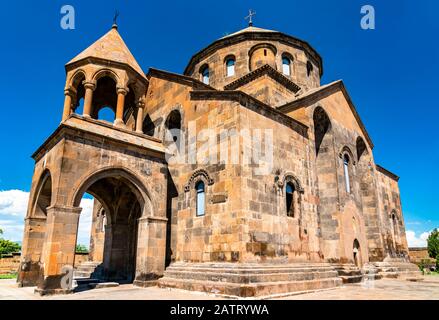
[249, 290]
[102, 285]
[352, 279]
[250, 278]
[86, 268]
[240, 270]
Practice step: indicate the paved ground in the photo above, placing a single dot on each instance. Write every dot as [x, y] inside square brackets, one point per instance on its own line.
[377, 290]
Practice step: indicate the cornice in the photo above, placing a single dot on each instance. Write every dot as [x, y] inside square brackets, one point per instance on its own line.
[264, 70]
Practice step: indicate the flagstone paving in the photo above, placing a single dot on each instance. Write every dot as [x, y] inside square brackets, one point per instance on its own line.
[376, 290]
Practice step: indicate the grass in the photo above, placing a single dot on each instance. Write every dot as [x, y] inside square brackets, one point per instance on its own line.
[8, 276]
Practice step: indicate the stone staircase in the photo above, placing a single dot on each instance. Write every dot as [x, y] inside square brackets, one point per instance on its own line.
[250, 280]
[88, 269]
[88, 275]
[349, 273]
[398, 268]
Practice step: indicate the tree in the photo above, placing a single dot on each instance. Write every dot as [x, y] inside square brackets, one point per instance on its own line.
[80, 248]
[1, 231]
[433, 245]
[7, 247]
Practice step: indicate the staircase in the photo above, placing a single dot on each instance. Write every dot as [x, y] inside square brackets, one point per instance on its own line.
[250, 280]
[88, 269]
[88, 275]
[349, 273]
[398, 268]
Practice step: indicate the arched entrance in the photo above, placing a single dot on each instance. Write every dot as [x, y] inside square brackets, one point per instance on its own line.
[35, 231]
[123, 202]
[357, 253]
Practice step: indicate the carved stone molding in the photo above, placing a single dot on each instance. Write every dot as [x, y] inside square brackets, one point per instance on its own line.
[198, 174]
[283, 179]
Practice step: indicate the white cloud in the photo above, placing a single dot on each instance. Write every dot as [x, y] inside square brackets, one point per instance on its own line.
[13, 202]
[415, 241]
[84, 228]
[13, 207]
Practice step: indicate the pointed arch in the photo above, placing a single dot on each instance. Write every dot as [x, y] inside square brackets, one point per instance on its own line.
[105, 73]
[322, 126]
[130, 178]
[43, 195]
[361, 147]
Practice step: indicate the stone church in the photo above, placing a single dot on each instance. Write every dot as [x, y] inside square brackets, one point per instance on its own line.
[323, 214]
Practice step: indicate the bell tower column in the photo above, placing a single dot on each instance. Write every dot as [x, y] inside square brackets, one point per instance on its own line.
[89, 88]
[139, 120]
[67, 104]
[121, 93]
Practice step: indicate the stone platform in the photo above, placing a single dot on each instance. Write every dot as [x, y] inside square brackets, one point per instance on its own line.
[397, 268]
[250, 280]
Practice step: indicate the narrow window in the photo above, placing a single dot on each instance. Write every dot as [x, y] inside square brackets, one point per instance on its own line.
[309, 68]
[346, 173]
[286, 66]
[290, 199]
[205, 75]
[199, 187]
[230, 64]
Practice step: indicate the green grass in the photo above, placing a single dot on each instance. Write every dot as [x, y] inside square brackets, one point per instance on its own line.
[8, 276]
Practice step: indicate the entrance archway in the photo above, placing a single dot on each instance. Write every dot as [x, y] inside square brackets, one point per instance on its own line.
[357, 253]
[124, 203]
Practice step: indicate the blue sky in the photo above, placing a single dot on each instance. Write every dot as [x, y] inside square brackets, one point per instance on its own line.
[390, 73]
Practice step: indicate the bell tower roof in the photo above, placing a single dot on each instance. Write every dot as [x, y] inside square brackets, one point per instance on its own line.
[110, 47]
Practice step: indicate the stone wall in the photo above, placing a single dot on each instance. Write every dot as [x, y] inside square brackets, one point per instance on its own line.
[9, 263]
[418, 255]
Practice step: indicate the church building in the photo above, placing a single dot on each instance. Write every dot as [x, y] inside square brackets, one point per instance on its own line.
[243, 176]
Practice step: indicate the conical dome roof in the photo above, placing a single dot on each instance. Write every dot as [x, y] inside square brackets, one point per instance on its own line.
[110, 47]
[248, 29]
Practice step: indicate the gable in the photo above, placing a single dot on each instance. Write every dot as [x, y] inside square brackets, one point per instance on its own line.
[268, 90]
[336, 101]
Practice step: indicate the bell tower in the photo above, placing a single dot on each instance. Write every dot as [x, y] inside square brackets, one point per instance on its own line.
[123, 169]
[106, 75]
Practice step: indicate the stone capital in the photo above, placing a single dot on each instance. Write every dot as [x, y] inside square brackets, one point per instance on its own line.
[57, 209]
[89, 84]
[122, 90]
[141, 103]
[69, 91]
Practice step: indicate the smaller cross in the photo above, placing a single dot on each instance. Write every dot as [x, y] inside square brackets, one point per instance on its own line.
[251, 13]
[116, 15]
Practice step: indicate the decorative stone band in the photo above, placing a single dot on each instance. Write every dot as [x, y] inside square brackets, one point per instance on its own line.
[203, 174]
[150, 219]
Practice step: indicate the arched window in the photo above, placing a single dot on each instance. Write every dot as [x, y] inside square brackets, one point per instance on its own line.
[286, 66]
[205, 74]
[346, 161]
[289, 192]
[199, 188]
[230, 67]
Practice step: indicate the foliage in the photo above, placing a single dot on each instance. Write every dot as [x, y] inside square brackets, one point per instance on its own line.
[1, 231]
[8, 276]
[80, 248]
[433, 245]
[7, 247]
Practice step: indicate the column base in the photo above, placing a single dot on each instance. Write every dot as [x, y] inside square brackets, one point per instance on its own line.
[46, 292]
[119, 123]
[146, 283]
